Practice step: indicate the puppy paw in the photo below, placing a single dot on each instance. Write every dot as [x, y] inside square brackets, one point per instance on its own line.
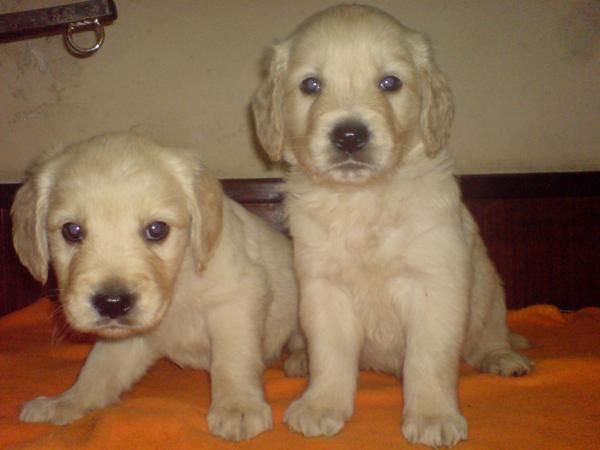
[435, 431]
[311, 420]
[297, 364]
[55, 410]
[236, 422]
[506, 363]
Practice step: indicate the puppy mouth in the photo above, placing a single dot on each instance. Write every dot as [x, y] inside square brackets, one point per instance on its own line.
[108, 325]
[351, 165]
[128, 324]
[114, 327]
[115, 324]
[120, 327]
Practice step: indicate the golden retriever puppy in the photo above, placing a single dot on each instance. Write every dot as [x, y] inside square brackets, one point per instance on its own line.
[393, 274]
[151, 256]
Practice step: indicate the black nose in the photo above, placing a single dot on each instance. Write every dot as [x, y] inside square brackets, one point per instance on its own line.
[350, 136]
[113, 304]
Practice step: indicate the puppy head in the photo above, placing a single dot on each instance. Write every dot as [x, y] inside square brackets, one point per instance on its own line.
[349, 94]
[115, 216]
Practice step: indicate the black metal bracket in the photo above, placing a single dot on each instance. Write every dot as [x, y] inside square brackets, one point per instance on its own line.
[67, 19]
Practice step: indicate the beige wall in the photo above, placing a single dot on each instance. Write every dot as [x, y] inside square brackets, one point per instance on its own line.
[524, 73]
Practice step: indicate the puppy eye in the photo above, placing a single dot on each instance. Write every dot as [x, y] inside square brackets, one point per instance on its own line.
[310, 85]
[390, 83]
[72, 232]
[156, 231]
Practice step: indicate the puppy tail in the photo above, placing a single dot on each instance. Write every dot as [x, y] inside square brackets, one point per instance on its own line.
[518, 342]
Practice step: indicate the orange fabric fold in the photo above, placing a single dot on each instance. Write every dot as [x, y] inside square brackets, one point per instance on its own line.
[556, 407]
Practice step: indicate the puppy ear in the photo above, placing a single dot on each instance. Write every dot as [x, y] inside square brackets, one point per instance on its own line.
[437, 110]
[29, 212]
[207, 218]
[267, 102]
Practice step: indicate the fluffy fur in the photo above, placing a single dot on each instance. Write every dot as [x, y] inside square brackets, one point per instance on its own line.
[393, 273]
[217, 292]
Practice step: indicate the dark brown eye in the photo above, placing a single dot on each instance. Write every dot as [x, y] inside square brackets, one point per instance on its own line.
[310, 85]
[72, 232]
[156, 231]
[390, 83]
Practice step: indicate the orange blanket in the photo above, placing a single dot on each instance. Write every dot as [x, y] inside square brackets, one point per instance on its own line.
[556, 407]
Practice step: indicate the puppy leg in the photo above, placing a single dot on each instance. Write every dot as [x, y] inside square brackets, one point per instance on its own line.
[296, 365]
[492, 349]
[490, 345]
[238, 409]
[111, 368]
[430, 373]
[496, 355]
[334, 345]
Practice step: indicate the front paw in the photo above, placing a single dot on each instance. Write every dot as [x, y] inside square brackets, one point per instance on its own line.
[435, 431]
[56, 410]
[310, 419]
[239, 421]
[506, 363]
[296, 365]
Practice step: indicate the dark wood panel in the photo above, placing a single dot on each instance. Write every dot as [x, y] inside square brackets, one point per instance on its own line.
[542, 231]
[254, 190]
[546, 249]
[17, 286]
[530, 185]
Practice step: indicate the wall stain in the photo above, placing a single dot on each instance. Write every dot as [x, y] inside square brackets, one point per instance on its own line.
[37, 74]
[580, 31]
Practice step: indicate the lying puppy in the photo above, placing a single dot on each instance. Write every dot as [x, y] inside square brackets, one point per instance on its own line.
[152, 257]
[393, 274]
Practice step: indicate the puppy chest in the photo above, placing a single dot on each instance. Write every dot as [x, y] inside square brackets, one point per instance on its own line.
[369, 256]
[370, 267]
[185, 341]
[378, 311]
[378, 314]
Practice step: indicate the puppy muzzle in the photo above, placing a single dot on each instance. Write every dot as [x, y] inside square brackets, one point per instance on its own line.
[113, 304]
[351, 152]
[350, 136]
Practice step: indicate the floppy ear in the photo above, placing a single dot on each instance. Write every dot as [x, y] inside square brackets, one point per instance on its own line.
[267, 102]
[29, 212]
[207, 218]
[437, 109]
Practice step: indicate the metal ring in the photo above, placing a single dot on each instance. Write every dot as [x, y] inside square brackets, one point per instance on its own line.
[83, 25]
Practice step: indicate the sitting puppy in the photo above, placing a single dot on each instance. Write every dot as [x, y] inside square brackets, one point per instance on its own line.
[393, 274]
[151, 256]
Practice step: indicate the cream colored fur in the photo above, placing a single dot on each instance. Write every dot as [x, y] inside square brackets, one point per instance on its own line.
[218, 293]
[393, 274]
